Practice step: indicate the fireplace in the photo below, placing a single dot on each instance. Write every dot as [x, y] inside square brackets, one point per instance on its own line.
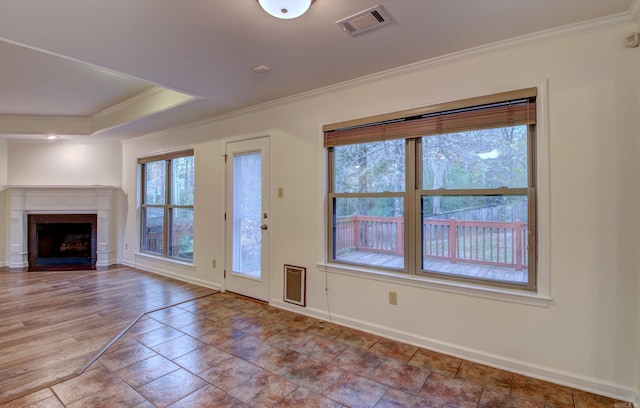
[62, 241]
[68, 205]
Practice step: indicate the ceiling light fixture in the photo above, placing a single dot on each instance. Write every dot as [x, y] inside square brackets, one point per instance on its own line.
[52, 137]
[286, 9]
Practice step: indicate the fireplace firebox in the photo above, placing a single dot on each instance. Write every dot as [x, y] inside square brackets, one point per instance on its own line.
[62, 241]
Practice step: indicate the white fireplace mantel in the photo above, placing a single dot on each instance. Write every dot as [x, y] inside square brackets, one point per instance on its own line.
[25, 200]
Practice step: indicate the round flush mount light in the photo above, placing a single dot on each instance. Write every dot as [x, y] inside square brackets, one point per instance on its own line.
[286, 9]
[52, 137]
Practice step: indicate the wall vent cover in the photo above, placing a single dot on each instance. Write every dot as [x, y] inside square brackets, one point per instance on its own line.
[364, 21]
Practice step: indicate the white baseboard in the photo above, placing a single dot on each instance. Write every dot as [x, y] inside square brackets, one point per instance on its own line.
[180, 277]
[572, 380]
[107, 263]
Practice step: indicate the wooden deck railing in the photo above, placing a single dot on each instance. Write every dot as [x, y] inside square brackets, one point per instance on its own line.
[155, 241]
[374, 234]
[481, 242]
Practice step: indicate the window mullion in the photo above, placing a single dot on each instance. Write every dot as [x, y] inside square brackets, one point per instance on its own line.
[502, 191]
[532, 243]
[330, 204]
[143, 194]
[410, 216]
[352, 195]
[167, 202]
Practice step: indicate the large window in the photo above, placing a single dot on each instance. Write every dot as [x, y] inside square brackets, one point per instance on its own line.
[167, 205]
[445, 192]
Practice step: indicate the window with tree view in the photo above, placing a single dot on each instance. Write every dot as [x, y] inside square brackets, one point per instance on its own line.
[167, 205]
[447, 192]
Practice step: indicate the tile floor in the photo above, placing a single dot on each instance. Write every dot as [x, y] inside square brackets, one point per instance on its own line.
[223, 350]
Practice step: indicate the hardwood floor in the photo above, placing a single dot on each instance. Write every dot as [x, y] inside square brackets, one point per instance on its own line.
[53, 324]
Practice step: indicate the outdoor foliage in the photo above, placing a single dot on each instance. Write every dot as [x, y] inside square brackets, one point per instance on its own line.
[480, 159]
[247, 213]
[370, 168]
[155, 183]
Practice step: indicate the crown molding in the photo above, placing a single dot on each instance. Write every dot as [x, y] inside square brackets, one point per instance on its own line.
[149, 102]
[136, 99]
[41, 124]
[634, 11]
[62, 140]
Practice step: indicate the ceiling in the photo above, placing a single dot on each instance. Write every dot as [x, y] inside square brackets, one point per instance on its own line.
[119, 69]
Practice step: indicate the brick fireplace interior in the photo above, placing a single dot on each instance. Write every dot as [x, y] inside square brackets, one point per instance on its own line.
[62, 241]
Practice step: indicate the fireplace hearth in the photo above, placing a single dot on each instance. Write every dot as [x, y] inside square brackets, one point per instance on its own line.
[62, 241]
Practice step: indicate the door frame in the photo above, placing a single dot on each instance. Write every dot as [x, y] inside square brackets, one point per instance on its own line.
[266, 249]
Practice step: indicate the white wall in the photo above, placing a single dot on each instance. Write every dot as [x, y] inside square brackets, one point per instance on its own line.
[4, 231]
[588, 337]
[3, 162]
[637, 249]
[64, 163]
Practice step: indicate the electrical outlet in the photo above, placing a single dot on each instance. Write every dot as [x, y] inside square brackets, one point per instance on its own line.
[213, 263]
[126, 246]
[393, 298]
[280, 192]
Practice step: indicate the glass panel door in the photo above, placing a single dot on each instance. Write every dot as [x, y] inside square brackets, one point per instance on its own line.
[247, 215]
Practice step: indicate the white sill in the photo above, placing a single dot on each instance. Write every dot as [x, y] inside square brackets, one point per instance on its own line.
[486, 292]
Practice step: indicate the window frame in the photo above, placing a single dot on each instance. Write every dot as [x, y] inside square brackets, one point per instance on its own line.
[414, 192]
[168, 207]
[332, 196]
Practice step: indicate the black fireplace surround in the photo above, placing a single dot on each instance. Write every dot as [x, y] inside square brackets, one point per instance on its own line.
[62, 242]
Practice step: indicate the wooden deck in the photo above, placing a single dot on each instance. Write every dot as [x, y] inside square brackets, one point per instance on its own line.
[460, 269]
[53, 323]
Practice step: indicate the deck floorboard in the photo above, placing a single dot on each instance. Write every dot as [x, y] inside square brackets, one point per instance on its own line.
[459, 269]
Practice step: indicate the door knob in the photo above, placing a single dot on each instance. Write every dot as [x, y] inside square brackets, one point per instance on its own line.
[264, 226]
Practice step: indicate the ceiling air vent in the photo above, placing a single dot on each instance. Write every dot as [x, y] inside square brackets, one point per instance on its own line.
[364, 21]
